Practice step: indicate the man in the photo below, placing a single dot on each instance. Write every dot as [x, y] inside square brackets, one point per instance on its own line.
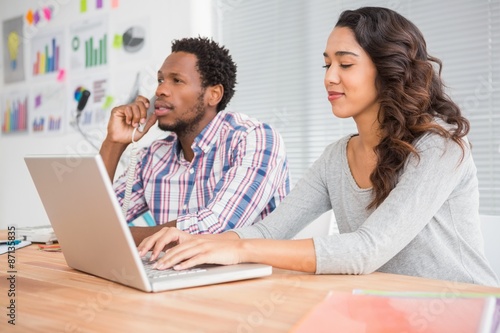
[216, 170]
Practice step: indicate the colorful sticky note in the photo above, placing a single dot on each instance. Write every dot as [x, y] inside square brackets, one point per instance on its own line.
[117, 41]
[47, 13]
[99, 4]
[36, 17]
[61, 75]
[108, 102]
[38, 100]
[115, 3]
[83, 6]
[29, 17]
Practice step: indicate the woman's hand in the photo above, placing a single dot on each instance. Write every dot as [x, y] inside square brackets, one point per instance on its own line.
[184, 250]
[163, 239]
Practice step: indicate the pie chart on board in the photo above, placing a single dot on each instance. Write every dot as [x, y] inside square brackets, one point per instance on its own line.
[133, 39]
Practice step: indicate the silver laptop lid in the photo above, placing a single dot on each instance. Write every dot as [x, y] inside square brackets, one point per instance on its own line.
[82, 208]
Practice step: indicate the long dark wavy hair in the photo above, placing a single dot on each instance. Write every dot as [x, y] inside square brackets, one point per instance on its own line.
[410, 91]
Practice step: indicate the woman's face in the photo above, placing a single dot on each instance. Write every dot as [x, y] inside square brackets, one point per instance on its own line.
[350, 77]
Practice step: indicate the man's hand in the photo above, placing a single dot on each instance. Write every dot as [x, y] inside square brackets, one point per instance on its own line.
[120, 128]
[125, 117]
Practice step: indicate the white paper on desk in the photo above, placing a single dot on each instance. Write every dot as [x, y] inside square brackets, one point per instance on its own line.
[4, 248]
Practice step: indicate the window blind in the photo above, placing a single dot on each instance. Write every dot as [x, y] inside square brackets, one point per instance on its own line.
[278, 47]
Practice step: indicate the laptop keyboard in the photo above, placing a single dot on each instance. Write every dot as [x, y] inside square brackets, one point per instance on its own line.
[155, 273]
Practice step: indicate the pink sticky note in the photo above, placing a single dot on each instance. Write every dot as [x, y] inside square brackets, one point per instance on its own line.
[61, 76]
[47, 13]
[115, 3]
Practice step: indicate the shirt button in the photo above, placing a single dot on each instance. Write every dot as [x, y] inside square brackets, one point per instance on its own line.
[191, 171]
[185, 207]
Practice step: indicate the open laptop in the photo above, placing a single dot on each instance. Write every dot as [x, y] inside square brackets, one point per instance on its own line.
[87, 219]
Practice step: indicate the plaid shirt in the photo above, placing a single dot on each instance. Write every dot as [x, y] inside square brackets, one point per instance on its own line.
[238, 175]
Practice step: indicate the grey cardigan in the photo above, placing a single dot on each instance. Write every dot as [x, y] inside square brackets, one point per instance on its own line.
[428, 226]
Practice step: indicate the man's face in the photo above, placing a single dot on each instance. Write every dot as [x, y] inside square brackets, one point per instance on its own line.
[180, 105]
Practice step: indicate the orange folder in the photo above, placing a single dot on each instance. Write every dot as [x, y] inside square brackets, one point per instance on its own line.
[346, 312]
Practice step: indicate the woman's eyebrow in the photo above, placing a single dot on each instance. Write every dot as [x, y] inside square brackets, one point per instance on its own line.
[341, 53]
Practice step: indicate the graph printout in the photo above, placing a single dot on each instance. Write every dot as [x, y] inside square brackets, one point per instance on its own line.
[47, 54]
[94, 114]
[14, 113]
[89, 44]
[48, 108]
[13, 50]
[130, 41]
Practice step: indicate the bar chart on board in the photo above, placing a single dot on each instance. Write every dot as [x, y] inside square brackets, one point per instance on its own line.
[47, 54]
[14, 113]
[48, 108]
[89, 45]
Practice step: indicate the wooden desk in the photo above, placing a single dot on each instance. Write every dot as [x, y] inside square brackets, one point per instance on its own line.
[51, 297]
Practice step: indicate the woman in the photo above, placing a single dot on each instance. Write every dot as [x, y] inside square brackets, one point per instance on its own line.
[403, 189]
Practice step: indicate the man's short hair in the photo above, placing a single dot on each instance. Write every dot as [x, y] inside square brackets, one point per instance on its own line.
[215, 64]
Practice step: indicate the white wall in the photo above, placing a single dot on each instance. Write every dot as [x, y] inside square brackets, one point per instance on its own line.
[168, 20]
[323, 225]
[490, 225]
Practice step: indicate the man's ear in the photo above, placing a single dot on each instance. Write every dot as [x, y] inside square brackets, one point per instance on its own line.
[214, 94]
